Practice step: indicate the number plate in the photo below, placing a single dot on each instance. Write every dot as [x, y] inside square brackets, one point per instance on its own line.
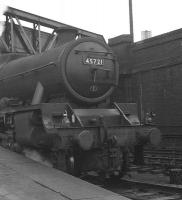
[93, 61]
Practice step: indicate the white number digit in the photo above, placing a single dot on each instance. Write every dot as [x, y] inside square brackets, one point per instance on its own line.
[87, 61]
[91, 61]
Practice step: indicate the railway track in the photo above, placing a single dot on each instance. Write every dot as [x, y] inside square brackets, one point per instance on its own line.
[152, 180]
[168, 154]
[163, 157]
[139, 184]
[139, 190]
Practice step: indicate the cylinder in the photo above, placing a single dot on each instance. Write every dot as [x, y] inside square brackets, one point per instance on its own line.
[149, 135]
[85, 140]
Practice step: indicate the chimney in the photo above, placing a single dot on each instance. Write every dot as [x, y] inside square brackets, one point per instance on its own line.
[146, 34]
[65, 34]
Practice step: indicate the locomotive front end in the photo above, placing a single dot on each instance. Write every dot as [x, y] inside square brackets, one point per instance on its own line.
[63, 108]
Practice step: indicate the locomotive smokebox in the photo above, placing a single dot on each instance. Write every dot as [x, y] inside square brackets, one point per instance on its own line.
[89, 70]
[84, 69]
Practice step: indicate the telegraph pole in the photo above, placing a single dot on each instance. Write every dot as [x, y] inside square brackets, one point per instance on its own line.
[131, 19]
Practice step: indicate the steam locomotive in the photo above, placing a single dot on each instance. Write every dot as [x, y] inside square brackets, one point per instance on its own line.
[58, 102]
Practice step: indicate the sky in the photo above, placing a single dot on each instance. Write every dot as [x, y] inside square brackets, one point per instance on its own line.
[107, 17]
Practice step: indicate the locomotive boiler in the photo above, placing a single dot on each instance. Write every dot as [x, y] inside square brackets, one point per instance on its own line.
[58, 102]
